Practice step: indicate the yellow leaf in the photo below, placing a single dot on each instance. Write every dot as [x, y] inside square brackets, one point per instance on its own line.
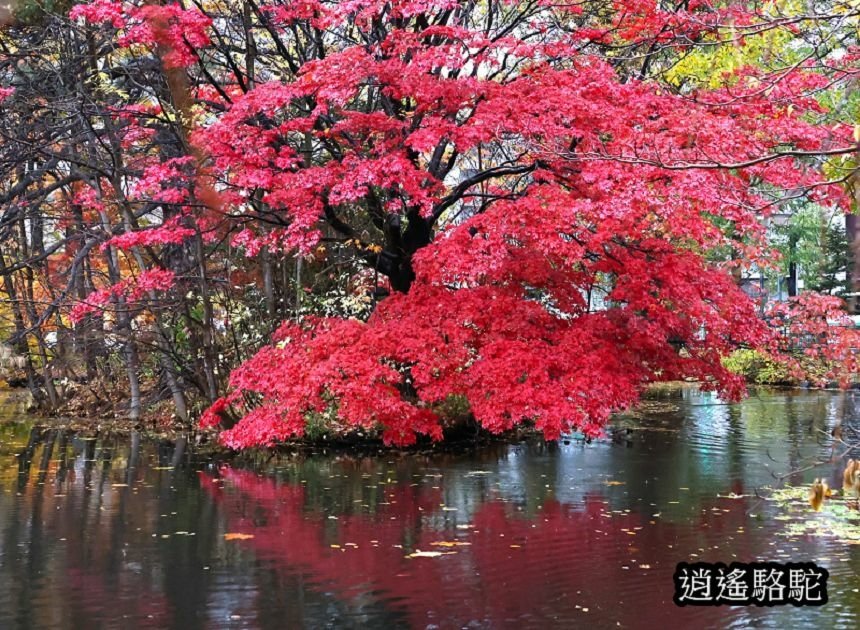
[237, 536]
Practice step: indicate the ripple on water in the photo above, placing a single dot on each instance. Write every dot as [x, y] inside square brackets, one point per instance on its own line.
[92, 532]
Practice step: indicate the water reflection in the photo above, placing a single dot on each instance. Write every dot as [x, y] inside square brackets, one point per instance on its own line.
[101, 531]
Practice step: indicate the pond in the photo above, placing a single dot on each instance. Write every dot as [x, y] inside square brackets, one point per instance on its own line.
[110, 531]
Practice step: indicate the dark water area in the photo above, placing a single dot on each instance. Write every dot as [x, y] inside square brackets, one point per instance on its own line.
[117, 532]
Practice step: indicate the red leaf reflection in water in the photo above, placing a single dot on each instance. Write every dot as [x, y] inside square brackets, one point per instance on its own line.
[551, 566]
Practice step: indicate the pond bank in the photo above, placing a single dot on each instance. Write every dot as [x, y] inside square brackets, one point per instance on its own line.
[655, 399]
[462, 438]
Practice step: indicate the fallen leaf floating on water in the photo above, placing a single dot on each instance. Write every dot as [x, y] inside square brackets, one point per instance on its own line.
[237, 536]
[430, 554]
[450, 543]
[612, 482]
[817, 494]
[851, 479]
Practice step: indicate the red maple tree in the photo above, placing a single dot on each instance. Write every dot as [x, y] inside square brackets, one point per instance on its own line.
[552, 220]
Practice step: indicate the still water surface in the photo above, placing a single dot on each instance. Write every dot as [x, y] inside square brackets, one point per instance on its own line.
[115, 532]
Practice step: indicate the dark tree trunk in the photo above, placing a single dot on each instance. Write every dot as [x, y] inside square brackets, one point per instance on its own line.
[852, 234]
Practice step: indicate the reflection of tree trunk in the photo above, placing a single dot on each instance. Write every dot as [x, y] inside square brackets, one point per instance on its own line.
[133, 457]
[62, 447]
[45, 461]
[795, 439]
[107, 463]
[837, 431]
[179, 451]
[89, 459]
[25, 457]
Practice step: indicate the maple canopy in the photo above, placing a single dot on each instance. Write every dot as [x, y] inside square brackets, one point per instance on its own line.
[557, 224]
